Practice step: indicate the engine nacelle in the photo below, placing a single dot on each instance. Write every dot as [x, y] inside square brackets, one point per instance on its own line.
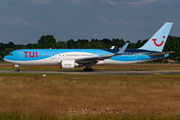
[69, 64]
[100, 62]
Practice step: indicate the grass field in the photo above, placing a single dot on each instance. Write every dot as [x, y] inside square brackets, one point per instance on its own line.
[32, 96]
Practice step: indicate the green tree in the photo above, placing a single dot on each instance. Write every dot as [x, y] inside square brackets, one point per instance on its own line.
[172, 44]
[122, 42]
[144, 41]
[35, 46]
[99, 45]
[177, 59]
[2, 55]
[93, 40]
[139, 44]
[88, 45]
[118, 43]
[106, 41]
[11, 44]
[132, 46]
[71, 43]
[8, 50]
[1, 58]
[47, 41]
[61, 45]
[1, 46]
[81, 43]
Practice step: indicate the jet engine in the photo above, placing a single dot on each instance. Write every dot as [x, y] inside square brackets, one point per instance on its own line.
[69, 64]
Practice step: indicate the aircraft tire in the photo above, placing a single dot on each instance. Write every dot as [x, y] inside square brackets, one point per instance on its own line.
[85, 69]
[17, 70]
[90, 69]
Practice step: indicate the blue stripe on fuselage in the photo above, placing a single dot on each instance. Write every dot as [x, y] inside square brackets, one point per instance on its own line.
[130, 58]
[30, 54]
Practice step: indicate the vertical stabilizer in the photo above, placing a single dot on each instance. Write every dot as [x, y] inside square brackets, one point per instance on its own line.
[158, 40]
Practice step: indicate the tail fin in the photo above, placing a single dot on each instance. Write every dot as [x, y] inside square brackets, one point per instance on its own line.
[158, 40]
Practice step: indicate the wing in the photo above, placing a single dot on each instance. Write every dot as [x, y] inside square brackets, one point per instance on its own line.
[92, 59]
[162, 53]
[96, 58]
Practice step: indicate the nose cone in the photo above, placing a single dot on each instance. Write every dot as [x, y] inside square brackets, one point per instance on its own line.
[6, 58]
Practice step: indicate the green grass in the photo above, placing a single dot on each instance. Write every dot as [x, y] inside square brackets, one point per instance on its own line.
[3, 62]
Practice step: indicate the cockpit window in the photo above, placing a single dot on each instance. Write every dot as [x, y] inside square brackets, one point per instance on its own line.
[10, 54]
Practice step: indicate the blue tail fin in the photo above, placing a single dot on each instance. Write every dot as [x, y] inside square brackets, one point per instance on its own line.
[158, 40]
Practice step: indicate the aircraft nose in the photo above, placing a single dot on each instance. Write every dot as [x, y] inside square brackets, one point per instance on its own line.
[6, 58]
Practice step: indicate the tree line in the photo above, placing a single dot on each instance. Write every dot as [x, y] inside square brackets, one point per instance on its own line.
[48, 41]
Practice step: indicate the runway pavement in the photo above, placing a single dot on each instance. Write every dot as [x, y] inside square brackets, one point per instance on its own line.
[95, 72]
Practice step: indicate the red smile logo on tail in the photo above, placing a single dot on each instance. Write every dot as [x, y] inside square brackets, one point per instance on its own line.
[158, 45]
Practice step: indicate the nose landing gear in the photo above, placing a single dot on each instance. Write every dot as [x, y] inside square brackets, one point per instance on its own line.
[17, 68]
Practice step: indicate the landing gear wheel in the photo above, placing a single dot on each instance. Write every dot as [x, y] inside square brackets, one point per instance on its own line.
[88, 69]
[17, 68]
[85, 69]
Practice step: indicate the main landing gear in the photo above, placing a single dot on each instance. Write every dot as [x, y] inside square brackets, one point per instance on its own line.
[17, 68]
[88, 68]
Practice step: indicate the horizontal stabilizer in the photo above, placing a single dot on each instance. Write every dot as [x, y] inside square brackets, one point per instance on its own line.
[163, 53]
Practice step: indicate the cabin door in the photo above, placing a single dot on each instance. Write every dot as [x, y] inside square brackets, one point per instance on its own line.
[20, 55]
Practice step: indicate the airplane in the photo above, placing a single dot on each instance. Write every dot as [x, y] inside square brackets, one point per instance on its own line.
[72, 58]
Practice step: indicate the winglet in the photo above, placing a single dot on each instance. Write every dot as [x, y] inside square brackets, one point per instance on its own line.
[112, 47]
[121, 51]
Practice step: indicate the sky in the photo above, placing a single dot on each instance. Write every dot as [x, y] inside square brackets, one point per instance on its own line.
[25, 21]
